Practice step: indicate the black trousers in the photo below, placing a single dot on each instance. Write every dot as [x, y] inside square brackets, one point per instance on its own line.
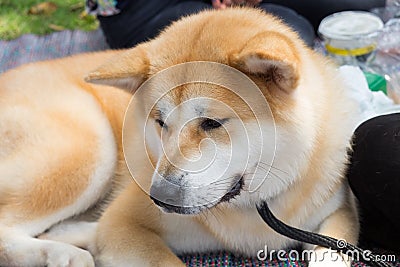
[316, 10]
[374, 176]
[141, 20]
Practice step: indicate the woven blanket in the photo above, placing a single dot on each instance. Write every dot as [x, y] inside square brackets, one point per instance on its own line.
[30, 48]
[225, 259]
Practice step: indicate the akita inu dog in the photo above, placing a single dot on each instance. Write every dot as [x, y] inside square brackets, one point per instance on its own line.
[202, 145]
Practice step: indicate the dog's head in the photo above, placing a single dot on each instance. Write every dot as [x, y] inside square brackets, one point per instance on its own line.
[210, 136]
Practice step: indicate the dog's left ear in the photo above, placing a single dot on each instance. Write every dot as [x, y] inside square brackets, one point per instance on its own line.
[128, 70]
[272, 56]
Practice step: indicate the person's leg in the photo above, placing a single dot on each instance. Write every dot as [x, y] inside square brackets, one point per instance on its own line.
[141, 20]
[296, 21]
[172, 13]
[126, 27]
[374, 176]
[316, 10]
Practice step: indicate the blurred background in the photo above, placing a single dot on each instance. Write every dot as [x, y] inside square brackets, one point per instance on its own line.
[43, 17]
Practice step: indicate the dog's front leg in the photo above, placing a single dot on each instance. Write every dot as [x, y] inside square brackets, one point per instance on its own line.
[129, 233]
[342, 224]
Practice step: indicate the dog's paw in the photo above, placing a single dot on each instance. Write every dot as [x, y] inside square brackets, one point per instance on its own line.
[68, 256]
[328, 258]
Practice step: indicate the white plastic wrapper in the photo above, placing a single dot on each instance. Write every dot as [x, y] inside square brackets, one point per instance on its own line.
[389, 39]
[371, 104]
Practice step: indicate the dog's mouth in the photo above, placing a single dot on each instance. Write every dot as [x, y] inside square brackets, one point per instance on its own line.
[167, 208]
[232, 193]
[235, 191]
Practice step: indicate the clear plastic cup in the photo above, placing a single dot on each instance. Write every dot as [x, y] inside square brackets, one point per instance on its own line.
[351, 37]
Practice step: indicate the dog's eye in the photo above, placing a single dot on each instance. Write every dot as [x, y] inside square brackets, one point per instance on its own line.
[161, 123]
[209, 124]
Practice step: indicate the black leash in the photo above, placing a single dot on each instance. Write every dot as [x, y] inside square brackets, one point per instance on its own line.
[314, 238]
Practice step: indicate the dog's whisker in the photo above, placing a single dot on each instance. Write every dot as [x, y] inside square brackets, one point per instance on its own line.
[273, 167]
[223, 180]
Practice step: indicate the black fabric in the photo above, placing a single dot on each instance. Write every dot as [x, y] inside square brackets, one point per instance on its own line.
[301, 25]
[130, 25]
[143, 19]
[374, 176]
[316, 10]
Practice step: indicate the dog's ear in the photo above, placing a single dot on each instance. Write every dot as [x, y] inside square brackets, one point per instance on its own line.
[128, 70]
[272, 56]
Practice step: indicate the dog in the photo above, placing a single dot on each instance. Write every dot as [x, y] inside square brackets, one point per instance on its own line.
[223, 110]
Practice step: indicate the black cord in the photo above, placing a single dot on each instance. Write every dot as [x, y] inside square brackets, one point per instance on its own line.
[314, 238]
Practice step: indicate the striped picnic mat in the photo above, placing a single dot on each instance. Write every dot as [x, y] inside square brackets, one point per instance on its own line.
[30, 48]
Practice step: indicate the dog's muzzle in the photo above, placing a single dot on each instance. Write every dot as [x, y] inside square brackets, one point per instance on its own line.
[169, 197]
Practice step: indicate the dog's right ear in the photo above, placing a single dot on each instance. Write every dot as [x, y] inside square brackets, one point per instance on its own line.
[128, 70]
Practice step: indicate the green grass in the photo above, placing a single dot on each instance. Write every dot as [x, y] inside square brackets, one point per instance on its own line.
[15, 20]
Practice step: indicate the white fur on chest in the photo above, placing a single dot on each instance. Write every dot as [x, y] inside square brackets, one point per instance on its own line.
[242, 230]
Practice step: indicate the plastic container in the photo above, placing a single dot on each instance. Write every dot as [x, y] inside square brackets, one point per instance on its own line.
[351, 37]
[387, 61]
